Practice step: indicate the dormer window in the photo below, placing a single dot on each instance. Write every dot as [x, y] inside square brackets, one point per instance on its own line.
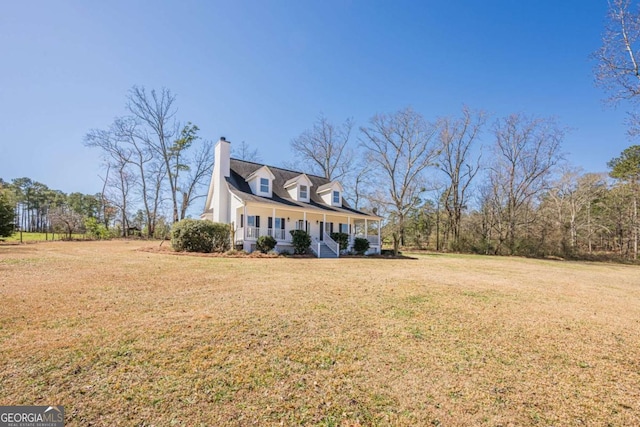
[261, 182]
[331, 193]
[299, 188]
[264, 185]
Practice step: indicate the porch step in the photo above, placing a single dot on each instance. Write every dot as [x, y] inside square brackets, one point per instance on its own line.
[326, 252]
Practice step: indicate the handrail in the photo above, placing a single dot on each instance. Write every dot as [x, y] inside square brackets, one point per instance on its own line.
[331, 244]
[311, 246]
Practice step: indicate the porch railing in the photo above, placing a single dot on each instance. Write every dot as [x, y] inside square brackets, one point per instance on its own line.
[331, 244]
[253, 232]
[373, 240]
[276, 233]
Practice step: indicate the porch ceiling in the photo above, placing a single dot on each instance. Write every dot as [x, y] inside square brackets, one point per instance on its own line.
[310, 210]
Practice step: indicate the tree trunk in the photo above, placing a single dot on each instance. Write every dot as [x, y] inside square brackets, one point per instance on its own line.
[634, 221]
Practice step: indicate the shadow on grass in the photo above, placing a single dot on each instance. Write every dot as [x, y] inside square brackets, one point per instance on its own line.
[387, 257]
[256, 255]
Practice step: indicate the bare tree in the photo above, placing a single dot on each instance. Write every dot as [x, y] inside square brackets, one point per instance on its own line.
[152, 147]
[358, 183]
[400, 147]
[525, 154]
[150, 172]
[618, 68]
[66, 220]
[201, 165]
[572, 196]
[457, 137]
[245, 152]
[156, 114]
[116, 156]
[324, 149]
[121, 188]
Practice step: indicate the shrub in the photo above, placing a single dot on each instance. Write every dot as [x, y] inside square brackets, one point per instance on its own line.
[192, 235]
[301, 241]
[96, 230]
[265, 244]
[360, 245]
[342, 239]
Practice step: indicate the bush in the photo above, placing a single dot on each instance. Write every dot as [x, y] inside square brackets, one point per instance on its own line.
[342, 239]
[301, 241]
[265, 244]
[360, 245]
[96, 230]
[192, 235]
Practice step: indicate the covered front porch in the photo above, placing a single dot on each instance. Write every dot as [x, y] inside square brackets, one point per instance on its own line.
[253, 221]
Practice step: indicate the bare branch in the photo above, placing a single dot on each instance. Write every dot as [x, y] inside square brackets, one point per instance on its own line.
[324, 148]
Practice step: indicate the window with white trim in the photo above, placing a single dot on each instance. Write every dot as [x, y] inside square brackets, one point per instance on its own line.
[304, 192]
[336, 197]
[264, 185]
[278, 223]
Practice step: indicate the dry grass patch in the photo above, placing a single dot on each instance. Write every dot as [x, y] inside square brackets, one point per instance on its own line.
[126, 337]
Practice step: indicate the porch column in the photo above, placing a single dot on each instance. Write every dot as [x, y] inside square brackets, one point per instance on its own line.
[304, 219]
[244, 223]
[324, 223]
[365, 228]
[379, 240]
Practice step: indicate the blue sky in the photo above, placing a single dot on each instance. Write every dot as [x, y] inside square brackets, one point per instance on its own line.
[262, 71]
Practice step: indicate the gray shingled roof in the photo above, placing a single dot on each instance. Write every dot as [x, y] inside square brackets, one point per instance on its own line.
[241, 169]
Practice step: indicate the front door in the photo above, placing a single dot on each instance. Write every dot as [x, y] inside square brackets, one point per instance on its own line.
[321, 229]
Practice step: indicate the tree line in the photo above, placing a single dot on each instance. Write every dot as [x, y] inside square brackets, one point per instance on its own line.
[31, 206]
[466, 184]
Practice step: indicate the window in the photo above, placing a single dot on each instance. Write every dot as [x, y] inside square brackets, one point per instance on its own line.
[279, 224]
[344, 228]
[336, 197]
[253, 221]
[253, 226]
[264, 185]
[304, 194]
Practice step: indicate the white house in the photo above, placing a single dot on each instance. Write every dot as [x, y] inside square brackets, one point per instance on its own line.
[259, 200]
